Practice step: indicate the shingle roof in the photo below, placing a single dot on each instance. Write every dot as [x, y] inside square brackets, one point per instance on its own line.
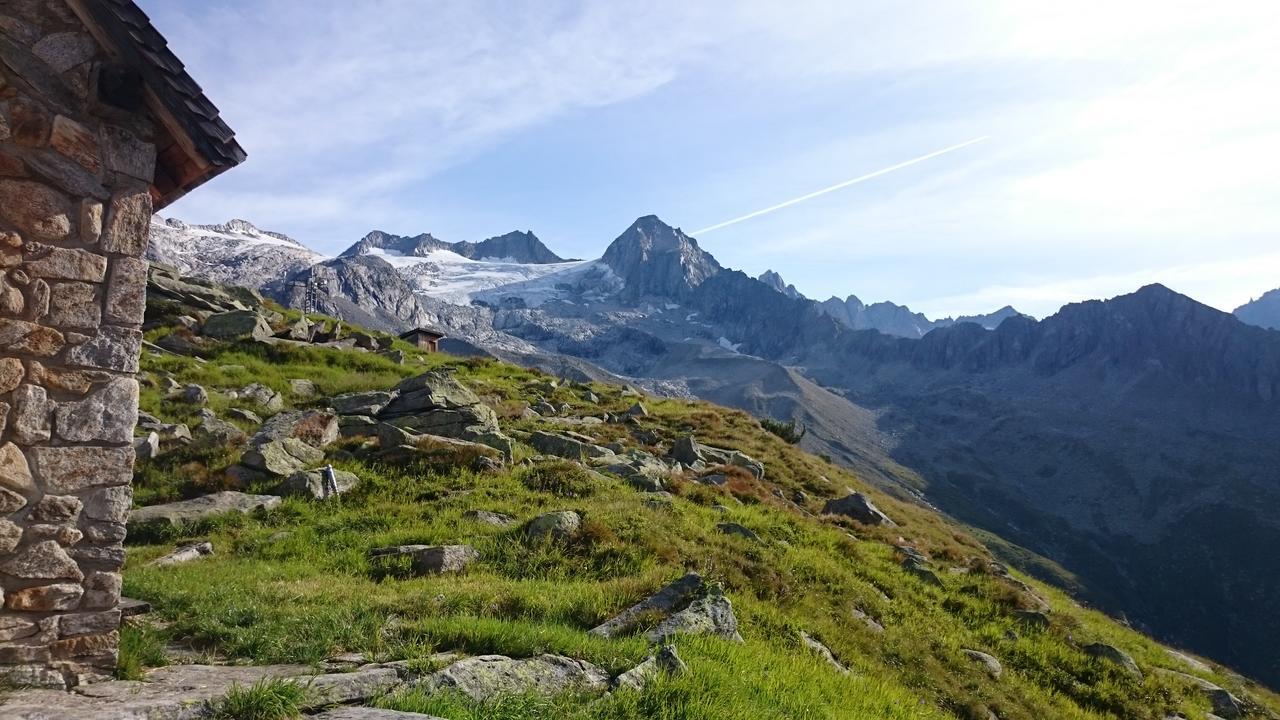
[420, 331]
[142, 47]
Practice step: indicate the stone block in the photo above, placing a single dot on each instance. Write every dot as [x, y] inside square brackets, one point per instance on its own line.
[128, 223]
[35, 209]
[53, 263]
[107, 415]
[29, 122]
[65, 50]
[74, 304]
[11, 374]
[12, 302]
[101, 590]
[37, 300]
[10, 535]
[109, 505]
[113, 348]
[90, 623]
[66, 470]
[57, 509]
[11, 502]
[64, 535]
[45, 560]
[90, 221]
[86, 645]
[27, 337]
[76, 142]
[124, 153]
[106, 558]
[127, 291]
[16, 628]
[32, 409]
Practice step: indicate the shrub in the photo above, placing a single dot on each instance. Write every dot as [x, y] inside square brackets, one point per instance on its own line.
[791, 432]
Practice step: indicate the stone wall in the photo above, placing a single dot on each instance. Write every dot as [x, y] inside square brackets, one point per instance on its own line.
[75, 174]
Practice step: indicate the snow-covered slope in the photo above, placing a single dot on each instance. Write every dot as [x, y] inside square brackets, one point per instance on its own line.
[232, 253]
[448, 276]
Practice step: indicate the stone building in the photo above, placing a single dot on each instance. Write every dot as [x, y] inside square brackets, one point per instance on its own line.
[99, 126]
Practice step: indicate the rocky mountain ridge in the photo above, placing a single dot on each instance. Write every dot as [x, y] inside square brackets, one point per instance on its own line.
[1158, 409]
[1263, 312]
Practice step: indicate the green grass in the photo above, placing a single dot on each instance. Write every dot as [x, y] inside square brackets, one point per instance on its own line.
[294, 584]
[267, 699]
[141, 648]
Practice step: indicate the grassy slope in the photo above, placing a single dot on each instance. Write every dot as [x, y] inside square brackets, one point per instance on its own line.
[305, 595]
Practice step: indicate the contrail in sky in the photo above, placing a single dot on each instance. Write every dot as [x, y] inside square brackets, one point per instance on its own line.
[838, 186]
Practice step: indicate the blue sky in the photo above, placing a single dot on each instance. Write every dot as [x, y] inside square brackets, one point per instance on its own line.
[1128, 142]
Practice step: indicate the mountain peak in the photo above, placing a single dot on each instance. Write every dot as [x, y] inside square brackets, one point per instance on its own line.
[1263, 312]
[654, 258]
[775, 281]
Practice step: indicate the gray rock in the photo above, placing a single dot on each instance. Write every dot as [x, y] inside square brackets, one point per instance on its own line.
[184, 554]
[303, 388]
[269, 399]
[422, 559]
[282, 458]
[488, 676]
[489, 518]
[147, 447]
[714, 479]
[248, 416]
[559, 525]
[568, 445]
[637, 410]
[921, 571]
[367, 713]
[732, 528]
[360, 403]
[644, 483]
[201, 508]
[212, 432]
[666, 601]
[666, 660]
[194, 395]
[867, 620]
[236, 325]
[312, 483]
[711, 614]
[858, 507]
[316, 428]
[822, 651]
[1115, 656]
[989, 663]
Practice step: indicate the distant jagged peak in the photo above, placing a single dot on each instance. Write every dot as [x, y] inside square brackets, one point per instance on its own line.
[656, 259]
[775, 281]
[517, 246]
[1263, 312]
[235, 227]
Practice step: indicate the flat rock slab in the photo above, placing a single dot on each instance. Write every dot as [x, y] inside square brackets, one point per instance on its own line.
[364, 713]
[202, 507]
[488, 676]
[666, 601]
[187, 692]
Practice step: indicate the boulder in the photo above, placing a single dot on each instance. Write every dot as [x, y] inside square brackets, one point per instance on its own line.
[732, 528]
[303, 388]
[822, 651]
[422, 559]
[312, 483]
[858, 507]
[360, 403]
[1224, 704]
[637, 410]
[248, 416]
[867, 620]
[687, 450]
[989, 663]
[193, 395]
[746, 462]
[281, 458]
[568, 445]
[145, 448]
[664, 602]
[357, 425]
[921, 571]
[187, 511]
[302, 331]
[711, 614]
[489, 676]
[666, 660]
[269, 399]
[559, 525]
[489, 518]
[1115, 656]
[212, 432]
[316, 428]
[184, 554]
[236, 325]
